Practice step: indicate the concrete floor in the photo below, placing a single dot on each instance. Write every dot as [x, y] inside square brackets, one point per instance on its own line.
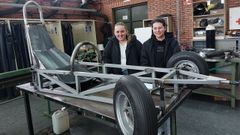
[194, 117]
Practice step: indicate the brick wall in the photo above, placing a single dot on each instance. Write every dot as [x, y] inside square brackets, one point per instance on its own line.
[108, 6]
[233, 3]
[158, 7]
[155, 8]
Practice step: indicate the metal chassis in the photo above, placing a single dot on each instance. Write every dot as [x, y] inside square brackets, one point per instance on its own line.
[39, 72]
[173, 76]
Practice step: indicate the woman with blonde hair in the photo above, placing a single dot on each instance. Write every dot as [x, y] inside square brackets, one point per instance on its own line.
[123, 49]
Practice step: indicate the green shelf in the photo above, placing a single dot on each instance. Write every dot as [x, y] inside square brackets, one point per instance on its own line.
[216, 92]
[10, 74]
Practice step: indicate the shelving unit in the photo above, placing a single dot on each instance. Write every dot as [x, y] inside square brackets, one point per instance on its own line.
[208, 12]
[222, 42]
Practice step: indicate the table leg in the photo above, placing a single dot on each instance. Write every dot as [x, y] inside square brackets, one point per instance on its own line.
[49, 107]
[28, 113]
[235, 72]
[48, 113]
[173, 123]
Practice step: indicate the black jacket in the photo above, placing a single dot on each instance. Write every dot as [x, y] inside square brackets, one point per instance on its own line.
[148, 52]
[112, 53]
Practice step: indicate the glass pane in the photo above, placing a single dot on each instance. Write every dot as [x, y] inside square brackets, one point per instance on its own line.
[139, 13]
[122, 15]
[128, 26]
[137, 24]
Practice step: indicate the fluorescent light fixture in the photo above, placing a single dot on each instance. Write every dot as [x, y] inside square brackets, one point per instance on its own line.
[126, 0]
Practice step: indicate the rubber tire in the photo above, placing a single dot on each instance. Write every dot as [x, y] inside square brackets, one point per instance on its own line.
[193, 57]
[144, 112]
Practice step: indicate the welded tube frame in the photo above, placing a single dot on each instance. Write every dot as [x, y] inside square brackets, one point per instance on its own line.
[169, 78]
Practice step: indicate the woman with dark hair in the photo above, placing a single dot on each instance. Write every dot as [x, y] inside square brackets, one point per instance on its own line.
[160, 47]
[157, 51]
[123, 49]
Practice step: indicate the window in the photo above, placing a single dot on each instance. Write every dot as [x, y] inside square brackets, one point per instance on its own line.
[132, 16]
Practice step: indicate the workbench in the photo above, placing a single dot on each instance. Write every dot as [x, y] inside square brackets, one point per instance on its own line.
[234, 73]
[103, 109]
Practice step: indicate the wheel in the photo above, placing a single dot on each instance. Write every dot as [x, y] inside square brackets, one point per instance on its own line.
[189, 61]
[134, 107]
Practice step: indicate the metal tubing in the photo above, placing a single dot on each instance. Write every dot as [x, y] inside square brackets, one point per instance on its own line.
[202, 79]
[76, 49]
[63, 85]
[162, 98]
[98, 89]
[154, 76]
[51, 7]
[143, 68]
[90, 97]
[78, 86]
[25, 11]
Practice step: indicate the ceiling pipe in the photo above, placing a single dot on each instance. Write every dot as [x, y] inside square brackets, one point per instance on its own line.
[50, 7]
[55, 3]
[12, 10]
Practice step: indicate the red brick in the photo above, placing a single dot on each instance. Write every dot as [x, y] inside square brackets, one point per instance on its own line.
[155, 8]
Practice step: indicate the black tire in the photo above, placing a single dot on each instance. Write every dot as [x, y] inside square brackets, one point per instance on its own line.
[131, 92]
[193, 61]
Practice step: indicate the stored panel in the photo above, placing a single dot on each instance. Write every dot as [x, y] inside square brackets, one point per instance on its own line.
[234, 18]
[84, 31]
[55, 32]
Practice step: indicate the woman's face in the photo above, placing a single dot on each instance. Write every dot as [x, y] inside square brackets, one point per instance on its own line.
[120, 32]
[158, 30]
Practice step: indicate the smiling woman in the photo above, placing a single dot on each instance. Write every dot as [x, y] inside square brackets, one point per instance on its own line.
[123, 49]
[159, 48]
[159, 29]
[120, 31]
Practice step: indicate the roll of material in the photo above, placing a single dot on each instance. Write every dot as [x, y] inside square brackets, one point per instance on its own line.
[210, 36]
[3, 56]
[67, 38]
[20, 45]
[6, 49]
